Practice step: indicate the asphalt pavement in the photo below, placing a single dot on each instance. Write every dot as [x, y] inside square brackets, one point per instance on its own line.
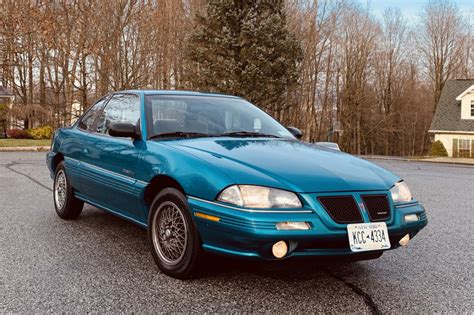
[101, 263]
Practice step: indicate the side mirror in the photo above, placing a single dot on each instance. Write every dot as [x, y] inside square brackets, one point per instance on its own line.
[126, 130]
[295, 132]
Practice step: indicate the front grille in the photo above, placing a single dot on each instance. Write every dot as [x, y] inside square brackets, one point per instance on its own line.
[377, 207]
[342, 209]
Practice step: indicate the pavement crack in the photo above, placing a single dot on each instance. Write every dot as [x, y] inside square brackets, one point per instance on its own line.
[364, 295]
[9, 167]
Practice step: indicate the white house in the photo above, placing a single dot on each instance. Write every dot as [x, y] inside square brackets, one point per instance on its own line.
[453, 122]
[6, 98]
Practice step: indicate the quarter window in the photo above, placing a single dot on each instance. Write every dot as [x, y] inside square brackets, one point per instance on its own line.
[87, 121]
[124, 108]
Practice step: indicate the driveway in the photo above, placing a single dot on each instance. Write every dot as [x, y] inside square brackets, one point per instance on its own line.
[101, 263]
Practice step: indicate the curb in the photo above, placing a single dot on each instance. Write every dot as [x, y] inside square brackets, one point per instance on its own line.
[366, 157]
[25, 149]
[405, 159]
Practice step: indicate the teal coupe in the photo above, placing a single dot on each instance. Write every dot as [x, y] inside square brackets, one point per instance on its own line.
[210, 172]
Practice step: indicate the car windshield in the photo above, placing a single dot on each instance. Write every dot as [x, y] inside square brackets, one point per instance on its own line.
[208, 116]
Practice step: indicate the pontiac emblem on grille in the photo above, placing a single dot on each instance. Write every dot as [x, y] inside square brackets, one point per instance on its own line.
[361, 205]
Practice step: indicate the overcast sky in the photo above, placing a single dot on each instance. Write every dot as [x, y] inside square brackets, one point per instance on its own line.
[411, 8]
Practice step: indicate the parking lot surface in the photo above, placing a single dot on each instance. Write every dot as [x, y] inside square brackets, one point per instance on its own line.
[101, 263]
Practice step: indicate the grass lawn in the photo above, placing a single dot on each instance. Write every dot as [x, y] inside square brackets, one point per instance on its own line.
[23, 143]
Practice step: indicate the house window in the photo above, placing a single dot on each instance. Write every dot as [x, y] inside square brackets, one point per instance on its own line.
[463, 144]
[464, 147]
[472, 108]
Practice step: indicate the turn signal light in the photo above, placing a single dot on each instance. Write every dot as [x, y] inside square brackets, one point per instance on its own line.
[411, 218]
[293, 226]
[207, 216]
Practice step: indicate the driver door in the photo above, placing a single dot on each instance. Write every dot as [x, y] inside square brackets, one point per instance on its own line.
[112, 162]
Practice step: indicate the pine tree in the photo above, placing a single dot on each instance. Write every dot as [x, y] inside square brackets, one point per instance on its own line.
[244, 48]
[438, 149]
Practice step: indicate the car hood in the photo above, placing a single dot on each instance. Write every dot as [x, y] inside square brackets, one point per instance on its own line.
[287, 164]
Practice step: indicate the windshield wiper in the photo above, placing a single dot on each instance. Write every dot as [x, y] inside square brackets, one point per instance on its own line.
[244, 133]
[179, 134]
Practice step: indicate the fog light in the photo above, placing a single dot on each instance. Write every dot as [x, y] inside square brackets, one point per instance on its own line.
[293, 226]
[411, 218]
[404, 240]
[279, 249]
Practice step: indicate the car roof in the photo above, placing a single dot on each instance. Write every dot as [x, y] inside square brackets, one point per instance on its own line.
[175, 92]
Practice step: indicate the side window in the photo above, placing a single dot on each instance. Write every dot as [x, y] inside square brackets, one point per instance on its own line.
[87, 121]
[168, 116]
[121, 108]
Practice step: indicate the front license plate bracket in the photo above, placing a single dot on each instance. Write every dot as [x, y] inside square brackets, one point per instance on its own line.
[368, 236]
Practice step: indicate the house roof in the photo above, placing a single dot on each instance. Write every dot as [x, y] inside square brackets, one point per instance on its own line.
[468, 90]
[4, 92]
[448, 111]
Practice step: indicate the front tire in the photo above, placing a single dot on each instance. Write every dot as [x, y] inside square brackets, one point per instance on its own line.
[67, 206]
[172, 234]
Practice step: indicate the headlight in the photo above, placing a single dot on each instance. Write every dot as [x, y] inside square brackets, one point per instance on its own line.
[400, 192]
[249, 196]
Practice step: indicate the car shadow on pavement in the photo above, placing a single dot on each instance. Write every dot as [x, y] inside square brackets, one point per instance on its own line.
[131, 241]
[287, 269]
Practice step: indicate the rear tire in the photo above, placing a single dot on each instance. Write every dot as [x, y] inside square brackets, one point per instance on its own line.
[173, 236]
[67, 206]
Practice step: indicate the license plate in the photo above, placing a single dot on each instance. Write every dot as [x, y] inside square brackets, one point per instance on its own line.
[368, 236]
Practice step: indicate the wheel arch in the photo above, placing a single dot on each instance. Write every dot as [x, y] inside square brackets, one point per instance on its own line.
[157, 184]
[58, 158]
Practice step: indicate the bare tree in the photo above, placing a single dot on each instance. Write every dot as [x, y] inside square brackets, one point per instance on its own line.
[442, 42]
[379, 78]
[357, 39]
[389, 74]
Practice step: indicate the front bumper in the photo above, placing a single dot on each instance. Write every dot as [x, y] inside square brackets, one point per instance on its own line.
[251, 234]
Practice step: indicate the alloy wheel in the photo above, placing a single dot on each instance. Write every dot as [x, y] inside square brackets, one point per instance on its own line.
[60, 189]
[169, 233]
